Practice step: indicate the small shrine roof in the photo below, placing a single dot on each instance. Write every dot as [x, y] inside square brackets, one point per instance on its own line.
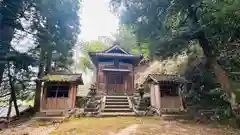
[61, 77]
[163, 77]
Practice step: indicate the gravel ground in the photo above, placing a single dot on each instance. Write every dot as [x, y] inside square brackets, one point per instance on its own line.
[28, 128]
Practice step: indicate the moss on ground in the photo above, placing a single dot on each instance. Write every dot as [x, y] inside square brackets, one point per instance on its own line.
[95, 126]
[146, 126]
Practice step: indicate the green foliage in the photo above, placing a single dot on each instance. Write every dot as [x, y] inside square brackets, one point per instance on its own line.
[85, 62]
[205, 93]
[58, 28]
[169, 25]
[144, 48]
[126, 38]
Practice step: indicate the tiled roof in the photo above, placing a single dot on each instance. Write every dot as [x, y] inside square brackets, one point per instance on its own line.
[115, 47]
[163, 77]
[63, 78]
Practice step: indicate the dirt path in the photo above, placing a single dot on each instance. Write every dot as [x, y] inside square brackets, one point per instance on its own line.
[130, 130]
[183, 128]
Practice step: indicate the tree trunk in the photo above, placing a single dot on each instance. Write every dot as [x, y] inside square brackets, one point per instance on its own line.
[48, 67]
[14, 99]
[9, 108]
[37, 98]
[223, 79]
[221, 75]
[13, 92]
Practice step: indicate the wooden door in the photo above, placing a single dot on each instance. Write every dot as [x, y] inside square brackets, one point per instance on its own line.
[116, 83]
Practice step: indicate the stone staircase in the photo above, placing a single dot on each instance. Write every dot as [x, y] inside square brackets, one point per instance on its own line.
[117, 106]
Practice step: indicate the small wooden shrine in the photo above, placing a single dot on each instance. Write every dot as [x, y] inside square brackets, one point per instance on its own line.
[115, 71]
[165, 91]
[59, 91]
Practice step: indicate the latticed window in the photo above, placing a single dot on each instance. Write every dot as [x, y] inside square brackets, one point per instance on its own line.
[57, 91]
[169, 90]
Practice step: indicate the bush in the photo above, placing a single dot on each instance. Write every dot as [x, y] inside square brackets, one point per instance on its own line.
[81, 101]
[205, 93]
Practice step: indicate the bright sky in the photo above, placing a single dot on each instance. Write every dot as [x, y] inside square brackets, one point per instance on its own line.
[97, 20]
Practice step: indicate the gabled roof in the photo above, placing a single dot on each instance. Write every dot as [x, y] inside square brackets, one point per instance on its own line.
[163, 77]
[114, 52]
[61, 77]
[115, 48]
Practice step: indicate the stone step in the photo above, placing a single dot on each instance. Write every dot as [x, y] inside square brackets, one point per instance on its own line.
[118, 114]
[40, 114]
[48, 118]
[54, 113]
[116, 103]
[117, 106]
[173, 117]
[90, 109]
[117, 110]
[116, 97]
[141, 108]
[116, 100]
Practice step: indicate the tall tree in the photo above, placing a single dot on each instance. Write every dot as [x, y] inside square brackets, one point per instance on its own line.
[126, 37]
[128, 40]
[57, 26]
[170, 25]
[10, 12]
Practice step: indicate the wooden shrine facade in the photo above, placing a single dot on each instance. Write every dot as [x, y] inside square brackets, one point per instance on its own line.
[165, 91]
[59, 92]
[114, 71]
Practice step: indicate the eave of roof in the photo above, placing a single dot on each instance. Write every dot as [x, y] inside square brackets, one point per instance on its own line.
[55, 77]
[113, 54]
[163, 77]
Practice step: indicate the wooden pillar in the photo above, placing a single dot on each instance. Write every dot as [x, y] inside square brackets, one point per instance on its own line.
[180, 96]
[157, 95]
[126, 78]
[42, 101]
[152, 95]
[74, 95]
[70, 95]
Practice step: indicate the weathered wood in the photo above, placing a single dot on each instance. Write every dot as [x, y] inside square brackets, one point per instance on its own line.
[105, 79]
[59, 103]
